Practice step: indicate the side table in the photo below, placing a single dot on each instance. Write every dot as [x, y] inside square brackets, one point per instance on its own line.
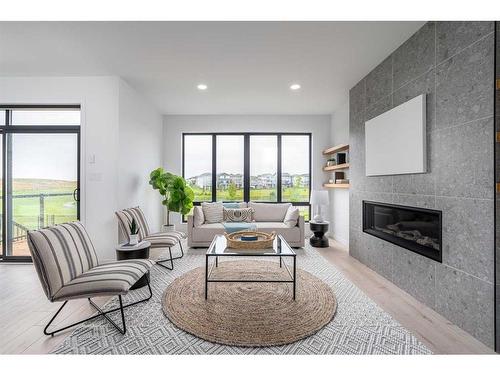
[318, 239]
[140, 251]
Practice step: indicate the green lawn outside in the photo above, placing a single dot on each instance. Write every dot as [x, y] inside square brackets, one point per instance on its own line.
[293, 194]
[26, 211]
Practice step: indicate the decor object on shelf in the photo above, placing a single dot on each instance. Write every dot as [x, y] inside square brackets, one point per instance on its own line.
[319, 198]
[319, 229]
[177, 194]
[339, 176]
[134, 233]
[69, 269]
[331, 161]
[341, 158]
[264, 240]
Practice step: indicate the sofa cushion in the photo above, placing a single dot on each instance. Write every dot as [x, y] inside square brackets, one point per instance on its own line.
[291, 217]
[213, 212]
[290, 234]
[206, 232]
[238, 214]
[198, 216]
[269, 211]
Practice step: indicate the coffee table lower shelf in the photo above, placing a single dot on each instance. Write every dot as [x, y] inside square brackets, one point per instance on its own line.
[210, 267]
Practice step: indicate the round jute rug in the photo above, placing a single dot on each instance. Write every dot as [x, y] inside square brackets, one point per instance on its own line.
[249, 314]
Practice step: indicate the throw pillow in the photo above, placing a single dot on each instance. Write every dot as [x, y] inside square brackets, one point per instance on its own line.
[213, 212]
[198, 217]
[238, 214]
[291, 217]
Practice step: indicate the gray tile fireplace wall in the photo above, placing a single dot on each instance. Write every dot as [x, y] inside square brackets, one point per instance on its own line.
[453, 63]
[497, 167]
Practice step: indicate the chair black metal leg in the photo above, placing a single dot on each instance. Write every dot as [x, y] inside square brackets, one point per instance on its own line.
[182, 250]
[171, 259]
[51, 320]
[101, 313]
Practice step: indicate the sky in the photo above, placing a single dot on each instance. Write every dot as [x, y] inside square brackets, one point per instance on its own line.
[44, 156]
[263, 154]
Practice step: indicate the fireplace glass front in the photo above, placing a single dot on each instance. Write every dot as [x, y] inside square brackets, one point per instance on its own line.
[416, 229]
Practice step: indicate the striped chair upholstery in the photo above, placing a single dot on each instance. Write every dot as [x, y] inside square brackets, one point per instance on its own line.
[106, 279]
[158, 240]
[68, 268]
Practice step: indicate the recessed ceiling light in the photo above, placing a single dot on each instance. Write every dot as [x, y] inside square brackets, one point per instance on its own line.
[294, 86]
[202, 87]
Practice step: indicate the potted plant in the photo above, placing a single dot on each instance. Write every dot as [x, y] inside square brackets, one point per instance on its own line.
[176, 193]
[134, 233]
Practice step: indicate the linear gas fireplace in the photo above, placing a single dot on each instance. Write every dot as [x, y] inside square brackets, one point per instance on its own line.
[416, 229]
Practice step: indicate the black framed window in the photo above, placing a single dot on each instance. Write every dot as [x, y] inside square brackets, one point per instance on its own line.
[230, 167]
[260, 167]
[40, 168]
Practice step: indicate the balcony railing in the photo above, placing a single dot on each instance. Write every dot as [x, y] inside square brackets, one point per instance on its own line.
[19, 231]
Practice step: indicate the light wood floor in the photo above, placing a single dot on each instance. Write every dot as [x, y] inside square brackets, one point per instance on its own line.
[24, 310]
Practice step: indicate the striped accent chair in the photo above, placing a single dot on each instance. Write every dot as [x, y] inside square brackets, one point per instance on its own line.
[159, 240]
[68, 268]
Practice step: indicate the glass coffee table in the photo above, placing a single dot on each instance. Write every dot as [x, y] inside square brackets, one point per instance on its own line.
[281, 249]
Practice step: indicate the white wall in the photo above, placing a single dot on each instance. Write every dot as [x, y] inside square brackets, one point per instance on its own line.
[339, 198]
[175, 125]
[140, 151]
[101, 192]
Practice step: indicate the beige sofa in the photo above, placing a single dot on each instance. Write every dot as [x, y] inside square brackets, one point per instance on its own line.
[266, 220]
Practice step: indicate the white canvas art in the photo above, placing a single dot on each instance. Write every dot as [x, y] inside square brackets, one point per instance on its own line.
[395, 141]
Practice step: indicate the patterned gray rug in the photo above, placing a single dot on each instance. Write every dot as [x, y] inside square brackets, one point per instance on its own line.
[359, 326]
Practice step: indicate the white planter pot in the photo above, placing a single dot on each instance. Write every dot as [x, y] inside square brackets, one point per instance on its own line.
[168, 228]
[134, 239]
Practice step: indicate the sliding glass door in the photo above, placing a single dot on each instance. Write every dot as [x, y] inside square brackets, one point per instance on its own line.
[40, 177]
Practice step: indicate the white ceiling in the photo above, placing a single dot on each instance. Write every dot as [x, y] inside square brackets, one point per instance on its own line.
[248, 66]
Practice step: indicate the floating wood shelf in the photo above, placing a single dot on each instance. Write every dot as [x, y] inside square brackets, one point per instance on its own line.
[335, 149]
[336, 167]
[337, 186]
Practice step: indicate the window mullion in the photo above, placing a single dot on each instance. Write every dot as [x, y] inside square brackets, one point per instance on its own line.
[246, 168]
[214, 168]
[278, 172]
